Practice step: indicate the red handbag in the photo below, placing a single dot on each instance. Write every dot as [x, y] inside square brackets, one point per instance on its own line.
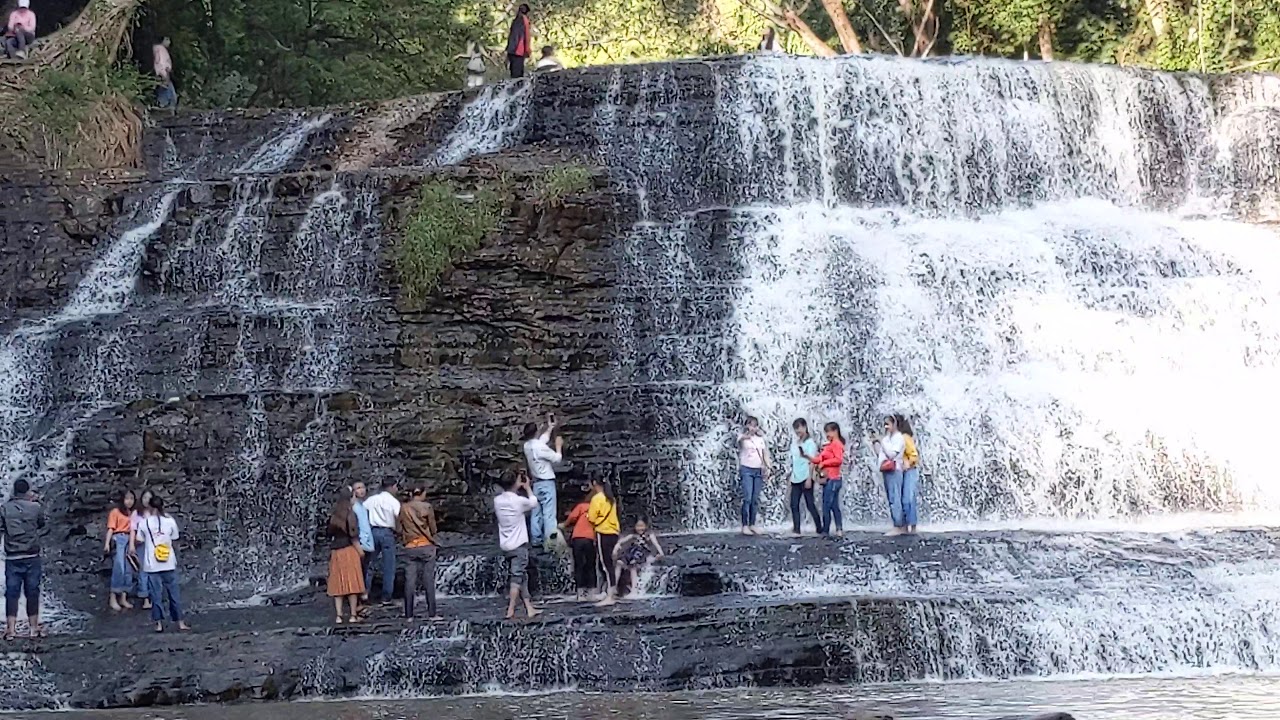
[888, 465]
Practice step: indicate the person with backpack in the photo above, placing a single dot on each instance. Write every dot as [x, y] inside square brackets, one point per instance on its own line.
[159, 559]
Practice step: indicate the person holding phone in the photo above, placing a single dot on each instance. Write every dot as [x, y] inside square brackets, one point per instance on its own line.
[753, 463]
[540, 459]
[510, 508]
[803, 447]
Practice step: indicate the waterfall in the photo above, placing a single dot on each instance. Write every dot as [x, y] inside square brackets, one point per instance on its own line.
[491, 121]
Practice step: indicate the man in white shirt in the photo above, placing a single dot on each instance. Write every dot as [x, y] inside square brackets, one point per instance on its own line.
[539, 456]
[510, 507]
[383, 509]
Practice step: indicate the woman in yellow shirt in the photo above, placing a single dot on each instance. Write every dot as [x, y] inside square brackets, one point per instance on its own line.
[910, 474]
[603, 515]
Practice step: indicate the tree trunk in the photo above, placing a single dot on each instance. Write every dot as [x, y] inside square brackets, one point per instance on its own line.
[815, 43]
[844, 28]
[1046, 39]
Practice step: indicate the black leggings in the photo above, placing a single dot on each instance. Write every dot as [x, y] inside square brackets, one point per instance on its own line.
[798, 490]
[604, 546]
[584, 563]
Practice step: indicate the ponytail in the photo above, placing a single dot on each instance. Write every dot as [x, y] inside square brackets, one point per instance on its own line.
[829, 427]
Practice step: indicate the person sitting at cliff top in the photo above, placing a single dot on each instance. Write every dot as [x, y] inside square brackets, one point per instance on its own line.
[548, 62]
[21, 31]
[519, 42]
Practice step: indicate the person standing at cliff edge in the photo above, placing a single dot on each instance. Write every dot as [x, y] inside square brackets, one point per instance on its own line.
[519, 42]
[162, 65]
[21, 520]
[383, 509]
[540, 457]
[510, 507]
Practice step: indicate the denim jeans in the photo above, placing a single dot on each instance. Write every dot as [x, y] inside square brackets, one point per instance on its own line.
[831, 506]
[893, 491]
[800, 492]
[384, 546]
[164, 586]
[121, 570]
[543, 520]
[752, 481]
[144, 585]
[910, 491]
[22, 579]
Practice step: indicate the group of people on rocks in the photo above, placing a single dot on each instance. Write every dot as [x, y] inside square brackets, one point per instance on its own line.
[898, 462]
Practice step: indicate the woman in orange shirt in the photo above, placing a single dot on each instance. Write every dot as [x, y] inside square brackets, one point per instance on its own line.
[116, 544]
[828, 463]
[583, 542]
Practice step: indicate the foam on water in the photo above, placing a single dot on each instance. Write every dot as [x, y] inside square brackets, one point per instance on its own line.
[492, 120]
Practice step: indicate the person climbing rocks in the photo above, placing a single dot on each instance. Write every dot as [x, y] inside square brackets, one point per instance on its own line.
[519, 42]
[548, 62]
[416, 526]
[21, 521]
[383, 509]
[116, 546]
[540, 458]
[20, 34]
[753, 465]
[510, 507]
[162, 65]
[159, 559]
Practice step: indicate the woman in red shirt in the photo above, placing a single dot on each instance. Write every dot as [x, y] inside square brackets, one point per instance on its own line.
[828, 462]
[583, 542]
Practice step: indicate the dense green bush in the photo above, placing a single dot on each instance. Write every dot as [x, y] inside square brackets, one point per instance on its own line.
[443, 223]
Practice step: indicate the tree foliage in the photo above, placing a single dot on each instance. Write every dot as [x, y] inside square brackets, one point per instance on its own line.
[308, 52]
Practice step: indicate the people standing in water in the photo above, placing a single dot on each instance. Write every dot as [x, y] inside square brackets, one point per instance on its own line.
[511, 507]
[140, 512]
[22, 521]
[519, 42]
[828, 463]
[603, 514]
[159, 558]
[889, 448]
[346, 572]
[633, 552]
[383, 508]
[803, 447]
[582, 541]
[540, 459]
[753, 463]
[416, 526]
[116, 545]
[910, 474]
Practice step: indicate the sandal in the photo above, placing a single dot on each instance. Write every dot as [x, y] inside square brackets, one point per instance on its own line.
[338, 620]
[10, 637]
[40, 632]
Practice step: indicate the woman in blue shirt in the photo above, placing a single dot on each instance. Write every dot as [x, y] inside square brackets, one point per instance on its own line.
[803, 446]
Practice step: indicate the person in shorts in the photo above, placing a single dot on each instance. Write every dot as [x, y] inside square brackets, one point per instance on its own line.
[511, 508]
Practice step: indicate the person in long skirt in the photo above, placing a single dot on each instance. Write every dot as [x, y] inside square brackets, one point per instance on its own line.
[346, 576]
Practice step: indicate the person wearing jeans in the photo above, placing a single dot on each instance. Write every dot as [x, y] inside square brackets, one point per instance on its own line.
[803, 446]
[416, 526]
[159, 558]
[383, 509]
[889, 449]
[540, 459]
[753, 461]
[21, 521]
[910, 474]
[828, 463]
[116, 544]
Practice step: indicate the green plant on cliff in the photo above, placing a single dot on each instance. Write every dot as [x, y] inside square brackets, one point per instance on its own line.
[560, 181]
[444, 222]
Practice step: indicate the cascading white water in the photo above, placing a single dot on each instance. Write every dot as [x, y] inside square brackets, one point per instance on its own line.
[491, 121]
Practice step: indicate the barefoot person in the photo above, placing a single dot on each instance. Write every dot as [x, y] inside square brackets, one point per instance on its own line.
[116, 546]
[416, 527]
[540, 459]
[753, 463]
[603, 514]
[803, 447]
[889, 449]
[346, 576]
[159, 558]
[910, 474]
[828, 464]
[510, 507]
[21, 522]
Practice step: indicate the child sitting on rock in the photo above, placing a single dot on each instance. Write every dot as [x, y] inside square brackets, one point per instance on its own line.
[632, 553]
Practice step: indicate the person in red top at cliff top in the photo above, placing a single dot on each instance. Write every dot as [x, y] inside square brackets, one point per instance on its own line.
[519, 42]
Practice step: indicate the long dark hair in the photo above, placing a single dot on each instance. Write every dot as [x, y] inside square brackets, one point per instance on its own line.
[341, 510]
[606, 489]
[120, 498]
[831, 426]
[904, 427]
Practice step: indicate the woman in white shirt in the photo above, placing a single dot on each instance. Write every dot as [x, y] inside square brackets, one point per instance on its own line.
[753, 462]
[889, 450]
[156, 533]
